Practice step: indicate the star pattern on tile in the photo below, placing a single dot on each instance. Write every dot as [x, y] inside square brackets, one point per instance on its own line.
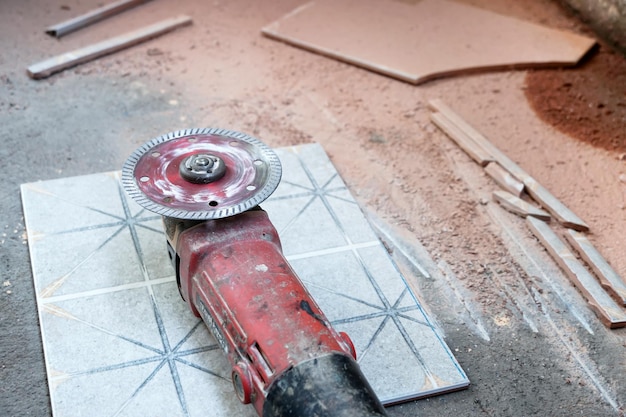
[391, 311]
[168, 354]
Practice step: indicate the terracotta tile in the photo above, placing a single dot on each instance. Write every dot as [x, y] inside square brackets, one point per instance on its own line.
[431, 39]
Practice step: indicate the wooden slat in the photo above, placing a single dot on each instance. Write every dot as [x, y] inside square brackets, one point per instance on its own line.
[504, 179]
[479, 139]
[518, 206]
[539, 193]
[69, 59]
[610, 280]
[477, 153]
[564, 215]
[602, 304]
[93, 16]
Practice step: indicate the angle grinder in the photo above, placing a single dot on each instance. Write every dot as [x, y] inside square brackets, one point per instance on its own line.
[286, 358]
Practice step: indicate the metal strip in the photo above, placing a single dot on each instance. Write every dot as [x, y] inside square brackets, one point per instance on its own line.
[78, 22]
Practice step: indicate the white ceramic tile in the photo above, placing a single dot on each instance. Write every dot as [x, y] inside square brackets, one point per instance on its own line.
[119, 340]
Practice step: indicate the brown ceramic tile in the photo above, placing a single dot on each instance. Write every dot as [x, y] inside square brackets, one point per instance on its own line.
[430, 39]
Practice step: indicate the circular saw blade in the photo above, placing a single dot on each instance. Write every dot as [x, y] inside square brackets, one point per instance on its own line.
[152, 177]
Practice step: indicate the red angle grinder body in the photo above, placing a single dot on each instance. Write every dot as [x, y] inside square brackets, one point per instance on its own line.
[286, 358]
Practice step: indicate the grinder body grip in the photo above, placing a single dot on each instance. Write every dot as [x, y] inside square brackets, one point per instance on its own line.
[286, 357]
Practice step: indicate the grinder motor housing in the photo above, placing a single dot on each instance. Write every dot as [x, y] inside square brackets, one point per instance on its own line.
[287, 359]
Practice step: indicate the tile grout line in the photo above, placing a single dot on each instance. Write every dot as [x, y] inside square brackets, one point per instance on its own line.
[330, 251]
[107, 290]
[157, 313]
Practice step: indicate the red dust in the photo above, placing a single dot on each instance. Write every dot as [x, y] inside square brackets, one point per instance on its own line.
[587, 102]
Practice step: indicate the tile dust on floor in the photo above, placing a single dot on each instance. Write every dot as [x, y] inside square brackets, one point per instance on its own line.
[119, 341]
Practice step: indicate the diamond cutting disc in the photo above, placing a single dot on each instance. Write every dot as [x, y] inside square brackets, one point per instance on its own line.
[201, 174]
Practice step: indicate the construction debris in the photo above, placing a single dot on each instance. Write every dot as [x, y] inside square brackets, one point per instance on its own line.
[563, 214]
[609, 279]
[480, 140]
[505, 180]
[518, 206]
[464, 142]
[69, 59]
[600, 302]
[539, 193]
[93, 16]
[512, 178]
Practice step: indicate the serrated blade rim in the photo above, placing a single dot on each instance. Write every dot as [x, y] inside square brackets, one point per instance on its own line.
[131, 187]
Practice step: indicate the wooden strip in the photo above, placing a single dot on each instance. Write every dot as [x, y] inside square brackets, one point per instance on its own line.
[93, 16]
[601, 303]
[564, 215]
[539, 193]
[504, 179]
[479, 139]
[609, 279]
[518, 206]
[69, 59]
[464, 142]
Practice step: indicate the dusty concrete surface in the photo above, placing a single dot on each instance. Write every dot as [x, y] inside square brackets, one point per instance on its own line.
[524, 335]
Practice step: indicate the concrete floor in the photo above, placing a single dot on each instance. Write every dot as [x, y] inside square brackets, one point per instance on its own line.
[90, 119]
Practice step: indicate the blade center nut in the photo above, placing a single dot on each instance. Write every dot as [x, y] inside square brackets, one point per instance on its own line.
[202, 168]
